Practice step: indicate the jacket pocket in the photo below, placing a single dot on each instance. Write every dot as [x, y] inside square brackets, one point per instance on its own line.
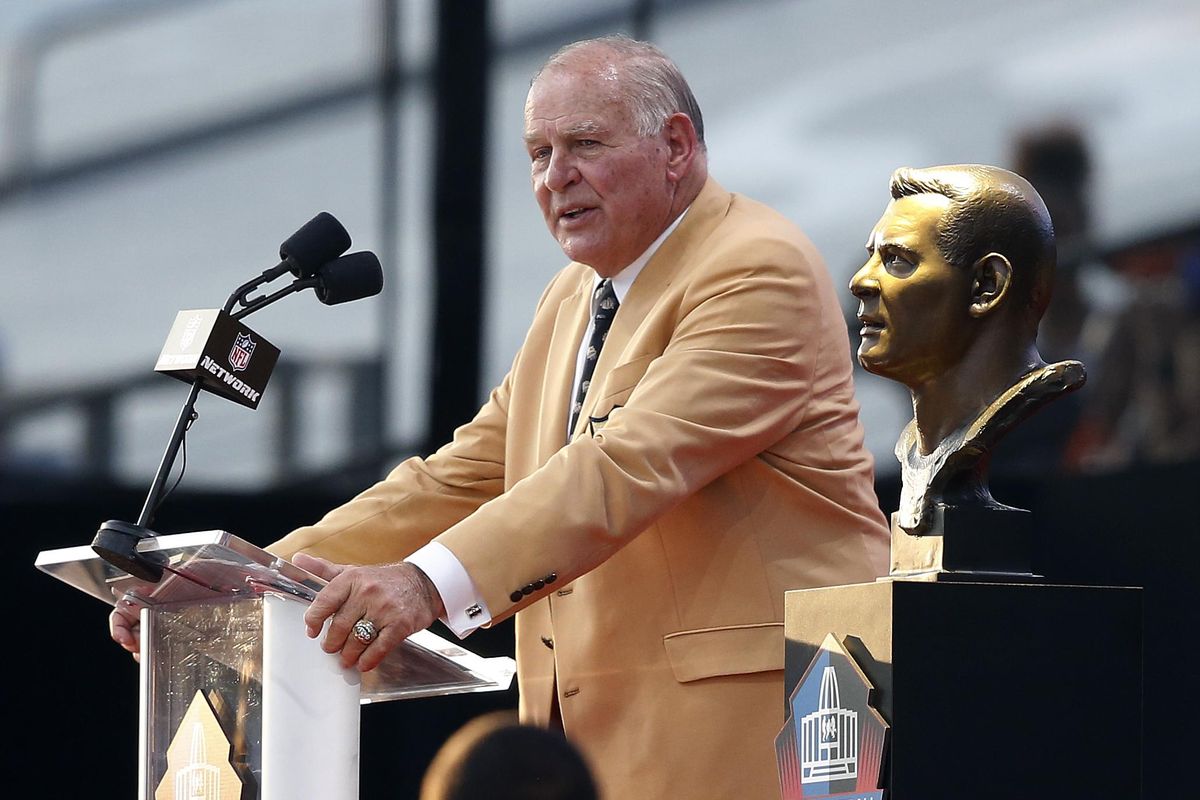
[732, 650]
[621, 381]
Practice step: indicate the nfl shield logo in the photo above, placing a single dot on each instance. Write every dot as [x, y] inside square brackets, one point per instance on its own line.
[243, 348]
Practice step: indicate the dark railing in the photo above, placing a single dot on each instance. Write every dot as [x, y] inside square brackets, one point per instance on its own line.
[97, 405]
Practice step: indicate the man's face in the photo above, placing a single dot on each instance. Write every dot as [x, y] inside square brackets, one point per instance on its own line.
[914, 307]
[604, 191]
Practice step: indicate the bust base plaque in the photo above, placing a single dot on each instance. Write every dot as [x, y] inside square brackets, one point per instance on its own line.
[972, 542]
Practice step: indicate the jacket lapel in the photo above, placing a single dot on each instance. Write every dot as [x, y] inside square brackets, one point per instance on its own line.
[678, 251]
[569, 324]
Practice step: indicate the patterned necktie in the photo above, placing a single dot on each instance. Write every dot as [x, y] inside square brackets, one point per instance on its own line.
[604, 308]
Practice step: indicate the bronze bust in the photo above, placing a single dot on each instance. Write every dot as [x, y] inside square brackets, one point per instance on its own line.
[958, 276]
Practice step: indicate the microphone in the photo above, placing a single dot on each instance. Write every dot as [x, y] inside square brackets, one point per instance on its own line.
[317, 242]
[349, 278]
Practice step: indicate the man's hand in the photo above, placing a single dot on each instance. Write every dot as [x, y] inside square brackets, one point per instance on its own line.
[398, 599]
[124, 626]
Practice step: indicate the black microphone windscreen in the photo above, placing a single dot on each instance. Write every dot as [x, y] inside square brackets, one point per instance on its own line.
[318, 242]
[351, 277]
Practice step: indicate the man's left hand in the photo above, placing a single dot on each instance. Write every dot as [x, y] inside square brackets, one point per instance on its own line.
[397, 599]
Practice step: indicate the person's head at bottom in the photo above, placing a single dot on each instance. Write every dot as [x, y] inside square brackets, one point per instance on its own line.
[495, 757]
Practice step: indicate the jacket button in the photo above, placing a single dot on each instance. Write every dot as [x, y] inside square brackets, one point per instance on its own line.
[515, 597]
[546, 640]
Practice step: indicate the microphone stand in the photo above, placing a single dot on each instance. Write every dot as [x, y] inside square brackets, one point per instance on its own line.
[116, 541]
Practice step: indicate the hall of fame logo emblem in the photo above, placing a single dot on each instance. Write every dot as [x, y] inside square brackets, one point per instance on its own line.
[243, 348]
[832, 745]
[198, 759]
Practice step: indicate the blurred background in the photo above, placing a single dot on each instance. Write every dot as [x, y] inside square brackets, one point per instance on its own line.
[154, 153]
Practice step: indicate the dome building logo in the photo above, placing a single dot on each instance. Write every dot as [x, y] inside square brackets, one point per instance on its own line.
[832, 744]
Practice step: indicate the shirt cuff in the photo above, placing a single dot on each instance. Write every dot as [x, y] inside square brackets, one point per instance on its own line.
[465, 609]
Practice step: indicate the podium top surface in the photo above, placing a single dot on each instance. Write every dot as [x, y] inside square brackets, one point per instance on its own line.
[201, 565]
[206, 566]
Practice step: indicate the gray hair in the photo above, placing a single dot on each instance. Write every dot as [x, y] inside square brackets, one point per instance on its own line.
[650, 82]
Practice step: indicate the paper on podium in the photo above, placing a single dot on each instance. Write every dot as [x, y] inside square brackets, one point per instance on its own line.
[216, 564]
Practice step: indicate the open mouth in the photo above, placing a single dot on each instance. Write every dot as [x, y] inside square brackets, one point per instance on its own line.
[870, 327]
[574, 213]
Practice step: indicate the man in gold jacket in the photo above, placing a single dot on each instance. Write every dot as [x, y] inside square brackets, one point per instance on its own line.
[716, 460]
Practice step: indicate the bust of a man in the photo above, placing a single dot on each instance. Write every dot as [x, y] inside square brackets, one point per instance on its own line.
[958, 276]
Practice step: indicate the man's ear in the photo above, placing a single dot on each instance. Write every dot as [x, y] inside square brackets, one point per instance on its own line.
[991, 279]
[683, 144]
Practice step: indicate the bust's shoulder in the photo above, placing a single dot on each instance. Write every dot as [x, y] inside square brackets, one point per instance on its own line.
[1026, 395]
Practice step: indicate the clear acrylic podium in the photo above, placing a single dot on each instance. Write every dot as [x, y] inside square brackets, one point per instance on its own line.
[236, 701]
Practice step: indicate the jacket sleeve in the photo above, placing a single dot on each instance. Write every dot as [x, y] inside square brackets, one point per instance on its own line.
[418, 499]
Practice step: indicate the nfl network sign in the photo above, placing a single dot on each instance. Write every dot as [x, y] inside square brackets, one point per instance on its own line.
[226, 357]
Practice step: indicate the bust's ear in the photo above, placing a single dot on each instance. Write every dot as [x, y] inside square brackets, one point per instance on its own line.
[991, 279]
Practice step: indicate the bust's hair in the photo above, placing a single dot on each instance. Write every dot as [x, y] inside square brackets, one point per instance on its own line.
[648, 79]
[991, 210]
